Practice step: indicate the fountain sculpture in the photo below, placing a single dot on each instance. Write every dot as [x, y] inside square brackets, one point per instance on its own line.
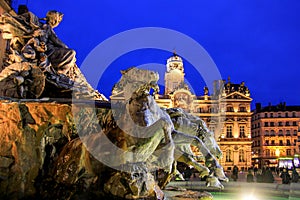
[61, 146]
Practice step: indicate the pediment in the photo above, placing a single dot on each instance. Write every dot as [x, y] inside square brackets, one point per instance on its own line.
[238, 96]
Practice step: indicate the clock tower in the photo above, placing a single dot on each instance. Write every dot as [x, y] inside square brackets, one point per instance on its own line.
[174, 77]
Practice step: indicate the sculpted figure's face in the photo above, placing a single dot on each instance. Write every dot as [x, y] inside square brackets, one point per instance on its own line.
[54, 18]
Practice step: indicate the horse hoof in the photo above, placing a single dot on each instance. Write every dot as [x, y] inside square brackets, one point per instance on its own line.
[220, 174]
[214, 182]
[203, 174]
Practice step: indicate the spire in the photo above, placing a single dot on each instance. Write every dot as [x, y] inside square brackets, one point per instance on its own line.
[174, 53]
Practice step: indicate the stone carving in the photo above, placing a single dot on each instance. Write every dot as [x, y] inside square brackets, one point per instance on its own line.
[188, 128]
[67, 165]
[204, 140]
[36, 45]
[148, 143]
[149, 138]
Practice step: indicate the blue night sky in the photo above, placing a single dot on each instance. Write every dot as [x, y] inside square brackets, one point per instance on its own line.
[256, 41]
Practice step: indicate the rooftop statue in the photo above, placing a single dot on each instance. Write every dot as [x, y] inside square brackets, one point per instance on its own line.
[36, 53]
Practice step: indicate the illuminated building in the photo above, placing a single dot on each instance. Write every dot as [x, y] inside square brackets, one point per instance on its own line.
[275, 133]
[226, 111]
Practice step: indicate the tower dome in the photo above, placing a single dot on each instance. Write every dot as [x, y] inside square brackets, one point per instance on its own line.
[174, 62]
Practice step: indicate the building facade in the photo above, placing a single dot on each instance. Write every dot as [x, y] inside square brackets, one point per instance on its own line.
[275, 133]
[226, 111]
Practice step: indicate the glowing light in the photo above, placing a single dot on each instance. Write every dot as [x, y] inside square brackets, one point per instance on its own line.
[277, 152]
[249, 197]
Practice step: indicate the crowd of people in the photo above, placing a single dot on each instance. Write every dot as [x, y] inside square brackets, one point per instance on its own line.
[265, 175]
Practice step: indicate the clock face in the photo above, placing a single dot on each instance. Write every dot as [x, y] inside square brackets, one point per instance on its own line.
[182, 100]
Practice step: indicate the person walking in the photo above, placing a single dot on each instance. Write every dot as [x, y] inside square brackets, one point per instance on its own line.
[268, 176]
[295, 176]
[235, 172]
[259, 176]
[285, 176]
[250, 177]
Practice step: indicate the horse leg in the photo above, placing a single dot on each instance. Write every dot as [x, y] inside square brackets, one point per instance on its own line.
[167, 178]
[203, 171]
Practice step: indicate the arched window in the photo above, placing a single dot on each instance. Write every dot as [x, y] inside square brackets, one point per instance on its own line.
[228, 155]
[243, 109]
[229, 108]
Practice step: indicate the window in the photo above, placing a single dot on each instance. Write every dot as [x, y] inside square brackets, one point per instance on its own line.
[288, 152]
[267, 133]
[279, 123]
[266, 124]
[286, 114]
[287, 123]
[267, 142]
[266, 115]
[295, 132]
[294, 123]
[295, 142]
[272, 153]
[243, 109]
[242, 132]
[241, 155]
[280, 143]
[271, 115]
[288, 142]
[288, 133]
[229, 131]
[230, 109]
[273, 142]
[228, 155]
[279, 114]
[294, 114]
[272, 133]
[267, 152]
[280, 133]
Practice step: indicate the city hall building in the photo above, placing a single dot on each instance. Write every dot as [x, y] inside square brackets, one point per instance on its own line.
[226, 111]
